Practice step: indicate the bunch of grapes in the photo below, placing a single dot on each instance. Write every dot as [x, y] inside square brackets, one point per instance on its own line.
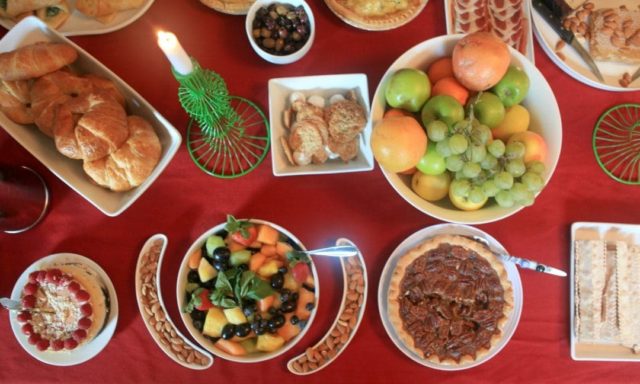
[482, 168]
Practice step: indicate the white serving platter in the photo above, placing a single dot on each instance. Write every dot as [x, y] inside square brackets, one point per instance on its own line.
[31, 30]
[80, 24]
[628, 233]
[573, 64]
[413, 241]
[86, 351]
[450, 14]
[326, 86]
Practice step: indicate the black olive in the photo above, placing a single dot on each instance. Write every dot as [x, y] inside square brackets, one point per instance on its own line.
[243, 330]
[276, 321]
[198, 315]
[221, 254]
[220, 265]
[294, 320]
[193, 276]
[249, 309]
[288, 306]
[285, 295]
[282, 270]
[198, 324]
[277, 281]
[228, 331]
[309, 306]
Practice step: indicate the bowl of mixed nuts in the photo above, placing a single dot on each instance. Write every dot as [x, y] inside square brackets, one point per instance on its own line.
[281, 32]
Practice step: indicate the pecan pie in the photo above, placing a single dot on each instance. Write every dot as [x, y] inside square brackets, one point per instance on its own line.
[376, 14]
[449, 299]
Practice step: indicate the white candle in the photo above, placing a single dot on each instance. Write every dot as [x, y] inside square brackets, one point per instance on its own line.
[178, 58]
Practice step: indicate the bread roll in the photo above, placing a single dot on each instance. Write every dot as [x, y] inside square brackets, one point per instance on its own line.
[35, 60]
[15, 100]
[129, 166]
[99, 8]
[100, 129]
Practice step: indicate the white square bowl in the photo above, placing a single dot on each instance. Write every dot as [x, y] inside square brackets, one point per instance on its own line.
[325, 86]
[31, 30]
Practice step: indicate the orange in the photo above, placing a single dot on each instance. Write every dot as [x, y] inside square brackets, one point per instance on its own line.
[396, 112]
[439, 69]
[398, 143]
[452, 87]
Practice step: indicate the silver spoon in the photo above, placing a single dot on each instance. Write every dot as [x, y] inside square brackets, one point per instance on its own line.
[334, 251]
[15, 305]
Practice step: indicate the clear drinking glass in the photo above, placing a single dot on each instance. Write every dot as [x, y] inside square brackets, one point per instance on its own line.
[24, 198]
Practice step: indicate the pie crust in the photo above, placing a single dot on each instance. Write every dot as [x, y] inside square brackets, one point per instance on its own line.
[376, 15]
[232, 7]
[470, 250]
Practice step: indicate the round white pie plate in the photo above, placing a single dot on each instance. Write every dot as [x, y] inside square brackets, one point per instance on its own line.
[83, 352]
[411, 242]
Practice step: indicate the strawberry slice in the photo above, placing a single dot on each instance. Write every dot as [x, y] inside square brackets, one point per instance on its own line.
[57, 345]
[84, 323]
[82, 296]
[300, 272]
[42, 345]
[86, 309]
[70, 343]
[241, 231]
[33, 338]
[79, 335]
[27, 329]
[30, 288]
[23, 317]
[29, 301]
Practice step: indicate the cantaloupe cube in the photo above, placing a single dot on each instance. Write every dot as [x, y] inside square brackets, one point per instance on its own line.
[230, 347]
[305, 297]
[256, 261]
[267, 234]
[268, 249]
[282, 248]
[265, 303]
[233, 246]
[288, 331]
[194, 258]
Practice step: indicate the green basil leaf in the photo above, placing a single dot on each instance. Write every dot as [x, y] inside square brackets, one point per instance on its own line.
[223, 284]
[259, 289]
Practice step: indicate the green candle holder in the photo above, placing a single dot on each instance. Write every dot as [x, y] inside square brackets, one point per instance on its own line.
[616, 143]
[227, 136]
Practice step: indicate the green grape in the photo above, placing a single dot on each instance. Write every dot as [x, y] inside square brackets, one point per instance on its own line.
[536, 166]
[442, 147]
[503, 180]
[480, 134]
[458, 143]
[437, 130]
[462, 127]
[528, 199]
[516, 167]
[533, 181]
[514, 150]
[459, 176]
[454, 163]
[490, 188]
[519, 192]
[477, 195]
[504, 199]
[496, 148]
[471, 170]
[477, 153]
[489, 163]
[460, 188]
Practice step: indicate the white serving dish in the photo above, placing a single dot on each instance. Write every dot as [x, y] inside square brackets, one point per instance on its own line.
[70, 171]
[85, 351]
[545, 120]
[326, 86]
[413, 241]
[280, 59]
[609, 232]
[80, 24]
[450, 13]
[207, 343]
[573, 64]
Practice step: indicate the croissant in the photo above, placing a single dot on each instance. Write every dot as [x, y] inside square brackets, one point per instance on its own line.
[99, 8]
[35, 60]
[15, 100]
[129, 166]
[90, 127]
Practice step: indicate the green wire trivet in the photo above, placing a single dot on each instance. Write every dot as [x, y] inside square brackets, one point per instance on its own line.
[227, 136]
[616, 143]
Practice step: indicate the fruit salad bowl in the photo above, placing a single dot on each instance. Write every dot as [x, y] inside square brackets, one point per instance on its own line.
[544, 120]
[243, 295]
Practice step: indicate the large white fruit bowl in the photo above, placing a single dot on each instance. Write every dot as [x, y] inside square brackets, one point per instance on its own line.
[545, 120]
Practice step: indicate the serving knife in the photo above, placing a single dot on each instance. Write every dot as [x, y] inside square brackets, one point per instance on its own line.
[522, 263]
[552, 13]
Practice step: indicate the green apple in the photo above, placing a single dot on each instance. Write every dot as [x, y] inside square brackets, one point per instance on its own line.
[513, 86]
[444, 108]
[408, 89]
[488, 109]
[432, 163]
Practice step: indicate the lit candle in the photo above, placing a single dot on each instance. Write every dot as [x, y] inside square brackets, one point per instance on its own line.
[178, 58]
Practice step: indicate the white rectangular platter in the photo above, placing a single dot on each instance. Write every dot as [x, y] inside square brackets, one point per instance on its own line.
[31, 30]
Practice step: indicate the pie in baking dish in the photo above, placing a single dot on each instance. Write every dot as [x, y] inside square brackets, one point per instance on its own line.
[449, 299]
[376, 14]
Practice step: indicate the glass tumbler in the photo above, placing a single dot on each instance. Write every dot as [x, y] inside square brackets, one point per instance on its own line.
[24, 198]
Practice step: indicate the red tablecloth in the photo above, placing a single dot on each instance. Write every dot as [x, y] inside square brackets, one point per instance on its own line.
[184, 202]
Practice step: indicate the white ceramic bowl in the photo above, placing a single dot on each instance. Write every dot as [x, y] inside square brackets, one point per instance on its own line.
[545, 120]
[280, 59]
[207, 343]
[326, 86]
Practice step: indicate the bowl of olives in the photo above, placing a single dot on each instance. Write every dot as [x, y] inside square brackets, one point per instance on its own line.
[244, 292]
[280, 32]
